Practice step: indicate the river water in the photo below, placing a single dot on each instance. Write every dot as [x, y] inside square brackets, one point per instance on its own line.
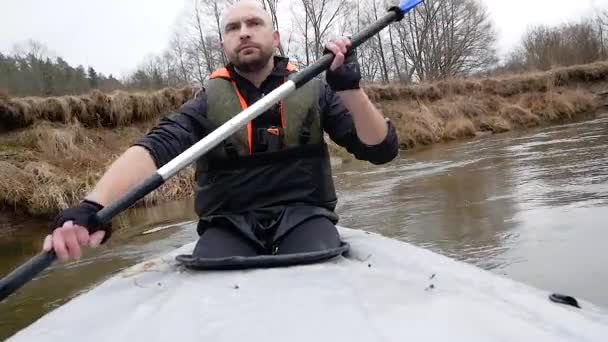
[529, 205]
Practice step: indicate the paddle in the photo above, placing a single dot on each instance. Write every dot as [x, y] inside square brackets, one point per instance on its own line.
[37, 264]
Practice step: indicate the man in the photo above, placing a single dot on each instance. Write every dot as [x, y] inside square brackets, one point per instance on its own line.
[268, 189]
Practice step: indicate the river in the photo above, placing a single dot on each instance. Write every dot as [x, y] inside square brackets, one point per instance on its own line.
[530, 205]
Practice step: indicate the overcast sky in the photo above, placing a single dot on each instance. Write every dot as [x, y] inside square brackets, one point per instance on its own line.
[114, 36]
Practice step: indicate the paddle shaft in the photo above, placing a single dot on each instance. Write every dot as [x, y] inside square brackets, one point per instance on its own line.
[37, 264]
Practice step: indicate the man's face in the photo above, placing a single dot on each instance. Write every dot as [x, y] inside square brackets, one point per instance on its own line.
[249, 40]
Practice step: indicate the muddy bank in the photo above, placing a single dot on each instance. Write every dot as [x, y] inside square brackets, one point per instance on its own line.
[52, 151]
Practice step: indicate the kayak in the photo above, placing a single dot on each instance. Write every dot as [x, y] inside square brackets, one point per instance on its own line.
[382, 290]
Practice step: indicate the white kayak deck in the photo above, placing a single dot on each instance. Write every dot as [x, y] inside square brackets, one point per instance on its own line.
[380, 292]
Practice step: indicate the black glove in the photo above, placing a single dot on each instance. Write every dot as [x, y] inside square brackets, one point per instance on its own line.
[83, 215]
[347, 76]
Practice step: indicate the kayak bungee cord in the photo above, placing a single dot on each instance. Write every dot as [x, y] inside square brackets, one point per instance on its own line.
[37, 264]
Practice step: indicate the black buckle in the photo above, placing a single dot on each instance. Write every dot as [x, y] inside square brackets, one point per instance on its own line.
[305, 136]
[230, 149]
[261, 137]
[269, 139]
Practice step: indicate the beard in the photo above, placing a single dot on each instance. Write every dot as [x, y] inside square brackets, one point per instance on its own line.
[254, 61]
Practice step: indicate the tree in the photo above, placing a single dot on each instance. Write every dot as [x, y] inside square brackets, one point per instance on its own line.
[32, 71]
[80, 81]
[202, 43]
[321, 15]
[546, 47]
[271, 6]
[93, 78]
[380, 48]
[110, 83]
[32, 48]
[602, 27]
[48, 78]
[445, 38]
[140, 80]
[215, 9]
[8, 73]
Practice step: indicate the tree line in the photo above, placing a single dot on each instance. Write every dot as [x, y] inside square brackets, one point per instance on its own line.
[439, 39]
[31, 71]
[545, 47]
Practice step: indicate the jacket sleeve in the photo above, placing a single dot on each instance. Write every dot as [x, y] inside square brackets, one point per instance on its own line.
[177, 131]
[339, 124]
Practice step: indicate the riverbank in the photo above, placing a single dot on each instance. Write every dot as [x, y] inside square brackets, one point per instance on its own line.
[456, 109]
[53, 150]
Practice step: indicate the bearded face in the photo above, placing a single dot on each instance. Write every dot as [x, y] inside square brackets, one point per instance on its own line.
[249, 39]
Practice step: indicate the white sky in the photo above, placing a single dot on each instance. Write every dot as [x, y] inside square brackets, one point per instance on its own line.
[114, 36]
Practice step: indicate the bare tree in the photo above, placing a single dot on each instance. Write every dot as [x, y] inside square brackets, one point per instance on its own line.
[547, 47]
[202, 40]
[180, 52]
[602, 24]
[271, 6]
[394, 53]
[367, 53]
[380, 48]
[444, 38]
[441, 38]
[32, 49]
[303, 44]
[321, 14]
[215, 9]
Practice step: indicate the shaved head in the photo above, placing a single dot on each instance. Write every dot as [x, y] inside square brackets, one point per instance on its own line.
[249, 6]
[249, 38]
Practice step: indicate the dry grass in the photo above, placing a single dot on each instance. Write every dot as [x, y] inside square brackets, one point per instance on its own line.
[36, 188]
[454, 109]
[15, 187]
[95, 109]
[457, 116]
[459, 128]
[49, 166]
[66, 143]
[178, 187]
[505, 86]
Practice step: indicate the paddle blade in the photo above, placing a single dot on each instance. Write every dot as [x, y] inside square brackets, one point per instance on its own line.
[407, 5]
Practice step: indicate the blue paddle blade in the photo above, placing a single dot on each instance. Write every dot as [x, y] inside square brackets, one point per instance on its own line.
[408, 5]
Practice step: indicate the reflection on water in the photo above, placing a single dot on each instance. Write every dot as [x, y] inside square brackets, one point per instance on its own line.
[436, 201]
[528, 205]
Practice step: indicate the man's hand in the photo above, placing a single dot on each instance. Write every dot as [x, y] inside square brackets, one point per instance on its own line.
[68, 240]
[343, 77]
[344, 72]
[72, 229]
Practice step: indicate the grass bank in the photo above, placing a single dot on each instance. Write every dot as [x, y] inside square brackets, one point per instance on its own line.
[49, 166]
[53, 150]
[95, 109]
[461, 108]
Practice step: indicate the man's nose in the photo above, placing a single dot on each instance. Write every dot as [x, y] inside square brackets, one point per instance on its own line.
[244, 33]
